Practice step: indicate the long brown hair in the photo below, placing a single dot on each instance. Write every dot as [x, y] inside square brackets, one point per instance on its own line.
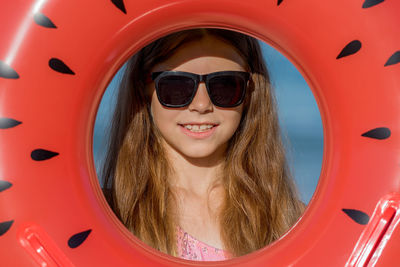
[260, 199]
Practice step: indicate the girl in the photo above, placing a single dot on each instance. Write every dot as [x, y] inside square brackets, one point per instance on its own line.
[195, 166]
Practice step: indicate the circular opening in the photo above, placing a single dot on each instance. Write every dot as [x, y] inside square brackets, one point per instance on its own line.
[299, 120]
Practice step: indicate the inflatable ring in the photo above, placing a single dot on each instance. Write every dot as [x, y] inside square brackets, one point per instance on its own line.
[57, 57]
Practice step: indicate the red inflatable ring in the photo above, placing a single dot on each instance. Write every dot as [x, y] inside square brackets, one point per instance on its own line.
[57, 57]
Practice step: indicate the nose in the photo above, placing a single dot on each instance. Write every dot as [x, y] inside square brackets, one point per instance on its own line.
[201, 101]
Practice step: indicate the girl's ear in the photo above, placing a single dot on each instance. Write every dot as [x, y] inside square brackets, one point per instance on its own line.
[148, 97]
[150, 111]
[148, 91]
[249, 91]
[251, 84]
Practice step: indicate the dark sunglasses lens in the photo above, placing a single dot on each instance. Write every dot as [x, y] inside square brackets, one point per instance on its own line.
[175, 90]
[226, 90]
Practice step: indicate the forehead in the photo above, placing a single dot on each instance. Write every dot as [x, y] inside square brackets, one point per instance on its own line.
[205, 53]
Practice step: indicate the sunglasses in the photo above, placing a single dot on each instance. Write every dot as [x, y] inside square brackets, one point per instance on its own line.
[177, 89]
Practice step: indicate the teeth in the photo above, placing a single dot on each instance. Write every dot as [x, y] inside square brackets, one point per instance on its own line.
[198, 128]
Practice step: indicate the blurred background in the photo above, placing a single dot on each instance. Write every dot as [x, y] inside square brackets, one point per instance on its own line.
[299, 118]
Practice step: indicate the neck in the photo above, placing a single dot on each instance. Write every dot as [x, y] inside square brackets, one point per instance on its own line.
[195, 175]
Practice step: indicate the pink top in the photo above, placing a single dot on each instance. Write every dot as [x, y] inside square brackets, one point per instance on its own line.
[190, 248]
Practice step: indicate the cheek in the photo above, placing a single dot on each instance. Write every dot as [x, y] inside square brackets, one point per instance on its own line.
[162, 117]
[237, 116]
[233, 120]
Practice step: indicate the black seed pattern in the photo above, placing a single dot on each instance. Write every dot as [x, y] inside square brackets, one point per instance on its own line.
[44, 21]
[42, 154]
[7, 72]
[119, 4]
[4, 185]
[378, 133]
[77, 239]
[350, 49]
[357, 216]
[4, 226]
[6, 123]
[394, 59]
[370, 3]
[59, 66]
[279, 2]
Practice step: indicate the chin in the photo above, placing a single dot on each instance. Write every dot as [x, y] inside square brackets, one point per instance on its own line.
[197, 154]
[197, 151]
[203, 152]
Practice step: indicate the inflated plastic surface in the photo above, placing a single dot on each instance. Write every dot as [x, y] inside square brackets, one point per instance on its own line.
[57, 57]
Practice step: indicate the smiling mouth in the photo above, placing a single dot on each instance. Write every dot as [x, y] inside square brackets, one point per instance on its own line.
[198, 128]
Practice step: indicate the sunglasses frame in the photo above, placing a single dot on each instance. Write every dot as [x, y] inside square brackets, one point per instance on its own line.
[197, 78]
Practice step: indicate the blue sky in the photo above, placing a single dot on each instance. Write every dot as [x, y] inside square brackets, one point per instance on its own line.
[300, 121]
[298, 115]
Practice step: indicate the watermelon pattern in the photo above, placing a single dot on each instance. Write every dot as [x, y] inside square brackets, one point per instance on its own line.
[57, 57]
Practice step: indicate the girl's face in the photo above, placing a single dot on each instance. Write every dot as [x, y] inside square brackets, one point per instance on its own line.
[183, 128]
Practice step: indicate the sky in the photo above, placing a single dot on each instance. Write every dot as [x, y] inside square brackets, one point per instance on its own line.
[298, 113]
[300, 121]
